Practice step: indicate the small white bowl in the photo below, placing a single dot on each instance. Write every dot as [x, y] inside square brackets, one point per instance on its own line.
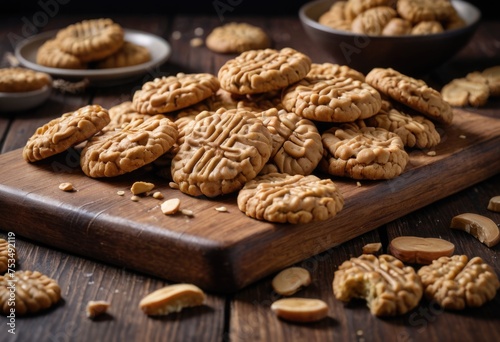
[18, 101]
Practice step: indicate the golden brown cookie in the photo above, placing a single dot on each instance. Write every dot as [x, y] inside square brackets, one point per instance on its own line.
[18, 79]
[237, 37]
[91, 40]
[121, 115]
[462, 92]
[362, 153]
[168, 94]
[8, 255]
[266, 70]
[427, 27]
[356, 7]
[137, 144]
[397, 27]
[49, 54]
[456, 282]
[411, 92]
[338, 99]
[329, 70]
[336, 17]
[280, 197]
[33, 292]
[425, 10]
[373, 20]
[389, 287]
[220, 153]
[490, 76]
[65, 131]
[129, 54]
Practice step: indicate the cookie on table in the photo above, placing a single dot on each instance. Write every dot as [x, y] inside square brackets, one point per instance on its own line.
[284, 198]
[490, 76]
[462, 92]
[414, 130]
[91, 40]
[66, 131]
[338, 99]
[456, 282]
[373, 20]
[18, 79]
[49, 54]
[139, 143]
[170, 93]
[427, 27]
[336, 17]
[297, 145]
[329, 70]
[389, 287]
[411, 92]
[425, 10]
[362, 153]
[128, 55]
[237, 37]
[220, 153]
[265, 70]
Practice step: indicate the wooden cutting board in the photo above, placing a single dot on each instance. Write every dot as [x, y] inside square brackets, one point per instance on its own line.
[224, 251]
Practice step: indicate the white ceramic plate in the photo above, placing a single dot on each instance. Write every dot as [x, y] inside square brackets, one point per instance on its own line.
[159, 48]
[18, 101]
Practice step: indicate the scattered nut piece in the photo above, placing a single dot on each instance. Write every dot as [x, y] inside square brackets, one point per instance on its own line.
[120, 192]
[494, 204]
[141, 187]
[170, 206]
[221, 209]
[461, 136]
[372, 248]
[96, 308]
[134, 198]
[358, 183]
[195, 42]
[431, 153]
[173, 185]
[66, 187]
[419, 250]
[187, 212]
[157, 195]
[481, 227]
[290, 280]
[172, 298]
[300, 309]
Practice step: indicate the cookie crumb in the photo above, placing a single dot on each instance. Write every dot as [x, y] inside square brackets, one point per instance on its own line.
[173, 185]
[134, 198]
[120, 192]
[461, 136]
[170, 206]
[431, 153]
[96, 308]
[187, 212]
[157, 195]
[68, 187]
[358, 183]
[221, 209]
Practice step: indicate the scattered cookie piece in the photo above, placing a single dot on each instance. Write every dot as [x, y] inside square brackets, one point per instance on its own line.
[456, 282]
[138, 188]
[300, 309]
[419, 250]
[481, 227]
[290, 280]
[68, 187]
[172, 298]
[170, 206]
[237, 37]
[372, 248]
[96, 308]
[494, 204]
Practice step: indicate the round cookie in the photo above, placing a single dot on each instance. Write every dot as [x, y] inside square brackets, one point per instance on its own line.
[330, 70]
[220, 153]
[91, 40]
[236, 38]
[354, 8]
[168, 94]
[411, 92]
[266, 70]
[129, 54]
[425, 10]
[362, 153]
[137, 144]
[65, 131]
[283, 198]
[17, 79]
[49, 54]
[336, 17]
[121, 115]
[461, 92]
[397, 27]
[427, 27]
[373, 20]
[338, 99]
[489, 76]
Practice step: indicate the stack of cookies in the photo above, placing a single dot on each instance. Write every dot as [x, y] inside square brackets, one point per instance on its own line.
[93, 43]
[266, 127]
[392, 17]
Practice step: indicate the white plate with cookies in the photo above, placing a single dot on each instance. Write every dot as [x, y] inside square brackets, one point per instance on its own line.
[160, 50]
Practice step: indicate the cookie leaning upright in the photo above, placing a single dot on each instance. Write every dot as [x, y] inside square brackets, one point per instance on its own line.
[91, 40]
[65, 131]
[266, 70]
[411, 92]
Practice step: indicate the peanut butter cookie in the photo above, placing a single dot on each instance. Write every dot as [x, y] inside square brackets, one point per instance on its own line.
[129, 54]
[397, 27]
[373, 20]
[425, 10]
[123, 114]
[17, 79]
[462, 92]
[338, 99]
[220, 153]
[236, 38]
[336, 17]
[266, 70]
[362, 153]
[411, 92]
[91, 40]
[65, 131]
[168, 94]
[329, 70]
[279, 197]
[490, 76]
[389, 287]
[427, 27]
[137, 144]
[49, 54]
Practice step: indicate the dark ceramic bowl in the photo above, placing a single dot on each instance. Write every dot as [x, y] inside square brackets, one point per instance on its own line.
[411, 54]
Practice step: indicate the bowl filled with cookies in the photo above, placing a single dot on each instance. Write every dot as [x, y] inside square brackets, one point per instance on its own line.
[412, 36]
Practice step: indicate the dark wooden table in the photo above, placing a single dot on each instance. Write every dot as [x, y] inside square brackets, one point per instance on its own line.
[245, 315]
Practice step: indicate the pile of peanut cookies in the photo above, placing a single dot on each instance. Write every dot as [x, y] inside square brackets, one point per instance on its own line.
[272, 127]
[392, 17]
[91, 44]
